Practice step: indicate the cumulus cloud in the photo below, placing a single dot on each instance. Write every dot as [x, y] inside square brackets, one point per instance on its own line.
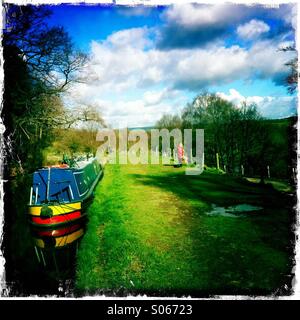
[252, 29]
[153, 97]
[135, 81]
[133, 38]
[197, 69]
[135, 113]
[195, 15]
[128, 109]
[117, 68]
[196, 25]
[157, 96]
[192, 25]
[234, 96]
[268, 106]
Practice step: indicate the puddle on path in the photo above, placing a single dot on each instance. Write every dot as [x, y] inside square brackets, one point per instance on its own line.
[233, 211]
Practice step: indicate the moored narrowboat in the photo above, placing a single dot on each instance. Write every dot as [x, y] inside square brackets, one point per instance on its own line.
[60, 194]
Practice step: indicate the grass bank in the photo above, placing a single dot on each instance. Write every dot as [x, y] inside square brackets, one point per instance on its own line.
[149, 232]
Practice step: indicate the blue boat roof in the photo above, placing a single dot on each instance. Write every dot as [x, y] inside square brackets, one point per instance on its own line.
[63, 185]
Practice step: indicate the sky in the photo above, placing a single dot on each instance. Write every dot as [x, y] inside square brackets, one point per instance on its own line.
[145, 61]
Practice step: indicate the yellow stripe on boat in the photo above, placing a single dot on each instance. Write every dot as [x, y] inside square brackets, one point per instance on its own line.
[61, 241]
[57, 210]
[64, 240]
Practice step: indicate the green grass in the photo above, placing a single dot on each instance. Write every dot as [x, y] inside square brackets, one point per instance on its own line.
[148, 232]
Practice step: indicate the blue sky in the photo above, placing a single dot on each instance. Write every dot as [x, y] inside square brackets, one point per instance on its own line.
[147, 61]
[85, 23]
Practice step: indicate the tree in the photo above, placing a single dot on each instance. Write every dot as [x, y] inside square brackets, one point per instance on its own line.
[261, 150]
[230, 131]
[193, 115]
[247, 132]
[49, 53]
[40, 63]
[169, 122]
[218, 118]
[88, 116]
[291, 80]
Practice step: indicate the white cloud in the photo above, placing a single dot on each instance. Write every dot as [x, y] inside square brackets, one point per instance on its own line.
[127, 66]
[234, 96]
[290, 15]
[134, 37]
[157, 96]
[252, 29]
[198, 25]
[138, 85]
[268, 106]
[153, 97]
[192, 15]
[134, 113]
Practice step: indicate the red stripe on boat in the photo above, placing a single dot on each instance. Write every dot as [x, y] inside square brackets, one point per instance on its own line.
[57, 219]
[58, 232]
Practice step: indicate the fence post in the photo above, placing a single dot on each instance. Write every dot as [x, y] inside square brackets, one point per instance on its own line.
[218, 164]
[294, 174]
[242, 168]
[268, 168]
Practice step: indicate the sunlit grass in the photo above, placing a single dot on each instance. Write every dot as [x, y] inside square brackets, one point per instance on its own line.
[148, 231]
[278, 185]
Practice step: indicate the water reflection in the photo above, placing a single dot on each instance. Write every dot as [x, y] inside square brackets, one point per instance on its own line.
[236, 211]
[55, 252]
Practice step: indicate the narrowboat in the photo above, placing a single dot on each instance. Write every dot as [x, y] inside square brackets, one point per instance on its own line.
[60, 194]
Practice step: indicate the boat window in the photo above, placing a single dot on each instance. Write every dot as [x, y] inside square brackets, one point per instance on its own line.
[34, 194]
[81, 183]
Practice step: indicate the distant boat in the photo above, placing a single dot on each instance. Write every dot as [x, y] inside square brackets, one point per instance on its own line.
[60, 194]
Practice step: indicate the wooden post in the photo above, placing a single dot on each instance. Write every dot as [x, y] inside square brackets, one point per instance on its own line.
[268, 168]
[294, 174]
[242, 169]
[218, 164]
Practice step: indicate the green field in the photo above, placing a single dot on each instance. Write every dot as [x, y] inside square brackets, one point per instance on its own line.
[149, 231]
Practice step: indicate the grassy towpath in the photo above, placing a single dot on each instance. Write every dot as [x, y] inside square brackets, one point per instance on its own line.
[149, 231]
